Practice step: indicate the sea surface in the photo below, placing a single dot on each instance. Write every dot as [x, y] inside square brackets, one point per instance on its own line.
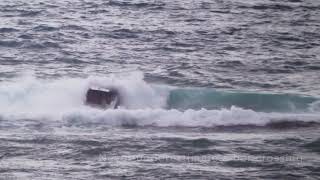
[211, 89]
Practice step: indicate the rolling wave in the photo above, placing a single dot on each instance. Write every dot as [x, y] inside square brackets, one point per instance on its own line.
[150, 105]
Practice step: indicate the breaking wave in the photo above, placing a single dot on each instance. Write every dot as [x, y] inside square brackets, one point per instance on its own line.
[149, 105]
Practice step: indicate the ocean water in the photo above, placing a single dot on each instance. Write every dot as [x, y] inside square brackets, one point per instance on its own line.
[211, 89]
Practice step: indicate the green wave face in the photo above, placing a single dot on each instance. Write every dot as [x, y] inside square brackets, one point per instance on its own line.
[212, 99]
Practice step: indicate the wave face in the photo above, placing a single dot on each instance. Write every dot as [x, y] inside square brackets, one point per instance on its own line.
[212, 99]
[149, 105]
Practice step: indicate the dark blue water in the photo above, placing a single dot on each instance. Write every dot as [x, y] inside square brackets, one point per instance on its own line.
[213, 89]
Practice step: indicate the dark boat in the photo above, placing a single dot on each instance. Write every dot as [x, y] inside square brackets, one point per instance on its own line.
[102, 98]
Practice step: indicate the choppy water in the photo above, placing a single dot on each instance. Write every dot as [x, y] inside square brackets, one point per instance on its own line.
[221, 89]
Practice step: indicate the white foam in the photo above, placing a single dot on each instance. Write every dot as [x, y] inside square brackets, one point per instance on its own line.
[188, 118]
[28, 97]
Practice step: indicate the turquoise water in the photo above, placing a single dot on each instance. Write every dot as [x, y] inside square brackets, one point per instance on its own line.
[216, 99]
